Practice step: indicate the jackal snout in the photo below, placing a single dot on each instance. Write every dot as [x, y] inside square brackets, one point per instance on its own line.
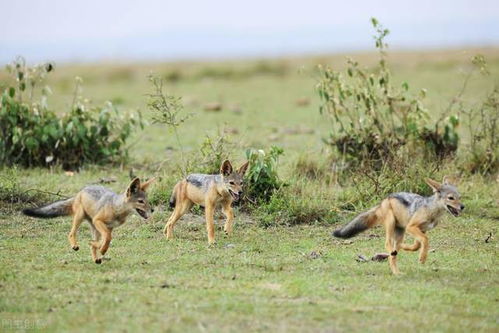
[448, 194]
[233, 179]
[137, 197]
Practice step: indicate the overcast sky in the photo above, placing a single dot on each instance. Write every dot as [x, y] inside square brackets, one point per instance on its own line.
[89, 30]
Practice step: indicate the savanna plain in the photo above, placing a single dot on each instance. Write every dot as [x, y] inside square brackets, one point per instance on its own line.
[281, 270]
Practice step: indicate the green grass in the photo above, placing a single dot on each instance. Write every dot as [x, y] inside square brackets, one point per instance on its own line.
[260, 279]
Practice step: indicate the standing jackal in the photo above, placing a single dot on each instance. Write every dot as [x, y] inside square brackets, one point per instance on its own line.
[407, 212]
[209, 191]
[102, 208]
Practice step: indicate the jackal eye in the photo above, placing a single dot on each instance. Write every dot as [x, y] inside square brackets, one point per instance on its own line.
[232, 183]
[141, 201]
[451, 198]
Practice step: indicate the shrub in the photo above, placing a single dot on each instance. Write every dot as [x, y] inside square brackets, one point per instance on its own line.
[214, 150]
[482, 153]
[371, 118]
[262, 177]
[33, 135]
[168, 110]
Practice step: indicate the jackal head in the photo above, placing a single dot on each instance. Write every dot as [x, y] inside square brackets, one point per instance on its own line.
[233, 180]
[136, 197]
[447, 195]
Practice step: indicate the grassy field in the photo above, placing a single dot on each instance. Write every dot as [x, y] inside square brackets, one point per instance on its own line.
[260, 279]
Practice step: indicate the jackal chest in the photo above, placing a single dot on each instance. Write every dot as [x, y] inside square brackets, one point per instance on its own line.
[115, 223]
[429, 225]
[117, 220]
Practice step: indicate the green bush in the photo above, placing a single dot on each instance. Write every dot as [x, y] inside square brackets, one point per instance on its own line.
[34, 135]
[372, 119]
[262, 178]
[214, 150]
[482, 153]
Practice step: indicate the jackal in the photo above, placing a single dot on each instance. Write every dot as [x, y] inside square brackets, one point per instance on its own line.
[407, 212]
[102, 208]
[209, 191]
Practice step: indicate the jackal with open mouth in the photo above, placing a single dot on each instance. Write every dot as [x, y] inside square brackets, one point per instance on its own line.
[407, 212]
[209, 191]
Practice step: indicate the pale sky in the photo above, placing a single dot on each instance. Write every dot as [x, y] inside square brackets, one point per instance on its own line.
[89, 30]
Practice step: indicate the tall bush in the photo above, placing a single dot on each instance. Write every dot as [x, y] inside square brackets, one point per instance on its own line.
[31, 134]
[372, 118]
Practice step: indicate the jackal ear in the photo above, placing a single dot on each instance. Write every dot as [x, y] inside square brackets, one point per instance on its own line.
[226, 168]
[242, 169]
[133, 188]
[449, 180]
[144, 186]
[433, 184]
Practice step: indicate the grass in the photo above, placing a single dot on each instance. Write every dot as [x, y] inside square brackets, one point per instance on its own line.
[260, 279]
[277, 279]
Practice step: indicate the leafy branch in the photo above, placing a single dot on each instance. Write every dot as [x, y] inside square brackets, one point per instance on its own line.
[168, 110]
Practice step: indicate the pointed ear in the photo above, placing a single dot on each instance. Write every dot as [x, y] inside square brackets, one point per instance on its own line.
[226, 168]
[450, 180]
[144, 186]
[433, 184]
[133, 188]
[242, 169]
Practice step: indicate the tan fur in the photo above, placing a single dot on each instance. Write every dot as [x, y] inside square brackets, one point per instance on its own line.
[216, 195]
[396, 219]
[106, 214]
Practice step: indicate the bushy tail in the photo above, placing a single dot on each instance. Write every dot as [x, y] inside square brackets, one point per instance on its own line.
[360, 223]
[173, 197]
[58, 208]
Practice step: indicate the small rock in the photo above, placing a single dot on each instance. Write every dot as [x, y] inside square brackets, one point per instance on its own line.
[236, 108]
[231, 130]
[361, 258]
[213, 107]
[303, 101]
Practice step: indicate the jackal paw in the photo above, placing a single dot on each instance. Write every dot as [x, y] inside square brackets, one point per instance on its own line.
[75, 247]
[98, 261]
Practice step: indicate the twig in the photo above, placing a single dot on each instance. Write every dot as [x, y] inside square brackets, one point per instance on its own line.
[489, 237]
[46, 192]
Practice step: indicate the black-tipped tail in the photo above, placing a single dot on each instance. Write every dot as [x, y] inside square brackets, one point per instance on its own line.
[361, 223]
[56, 209]
[173, 201]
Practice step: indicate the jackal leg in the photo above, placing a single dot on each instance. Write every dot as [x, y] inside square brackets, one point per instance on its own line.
[78, 216]
[180, 210]
[229, 214]
[414, 247]
[421, 237]
[105, 232]
[393, 240]
[209, 210]
[94, 244]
